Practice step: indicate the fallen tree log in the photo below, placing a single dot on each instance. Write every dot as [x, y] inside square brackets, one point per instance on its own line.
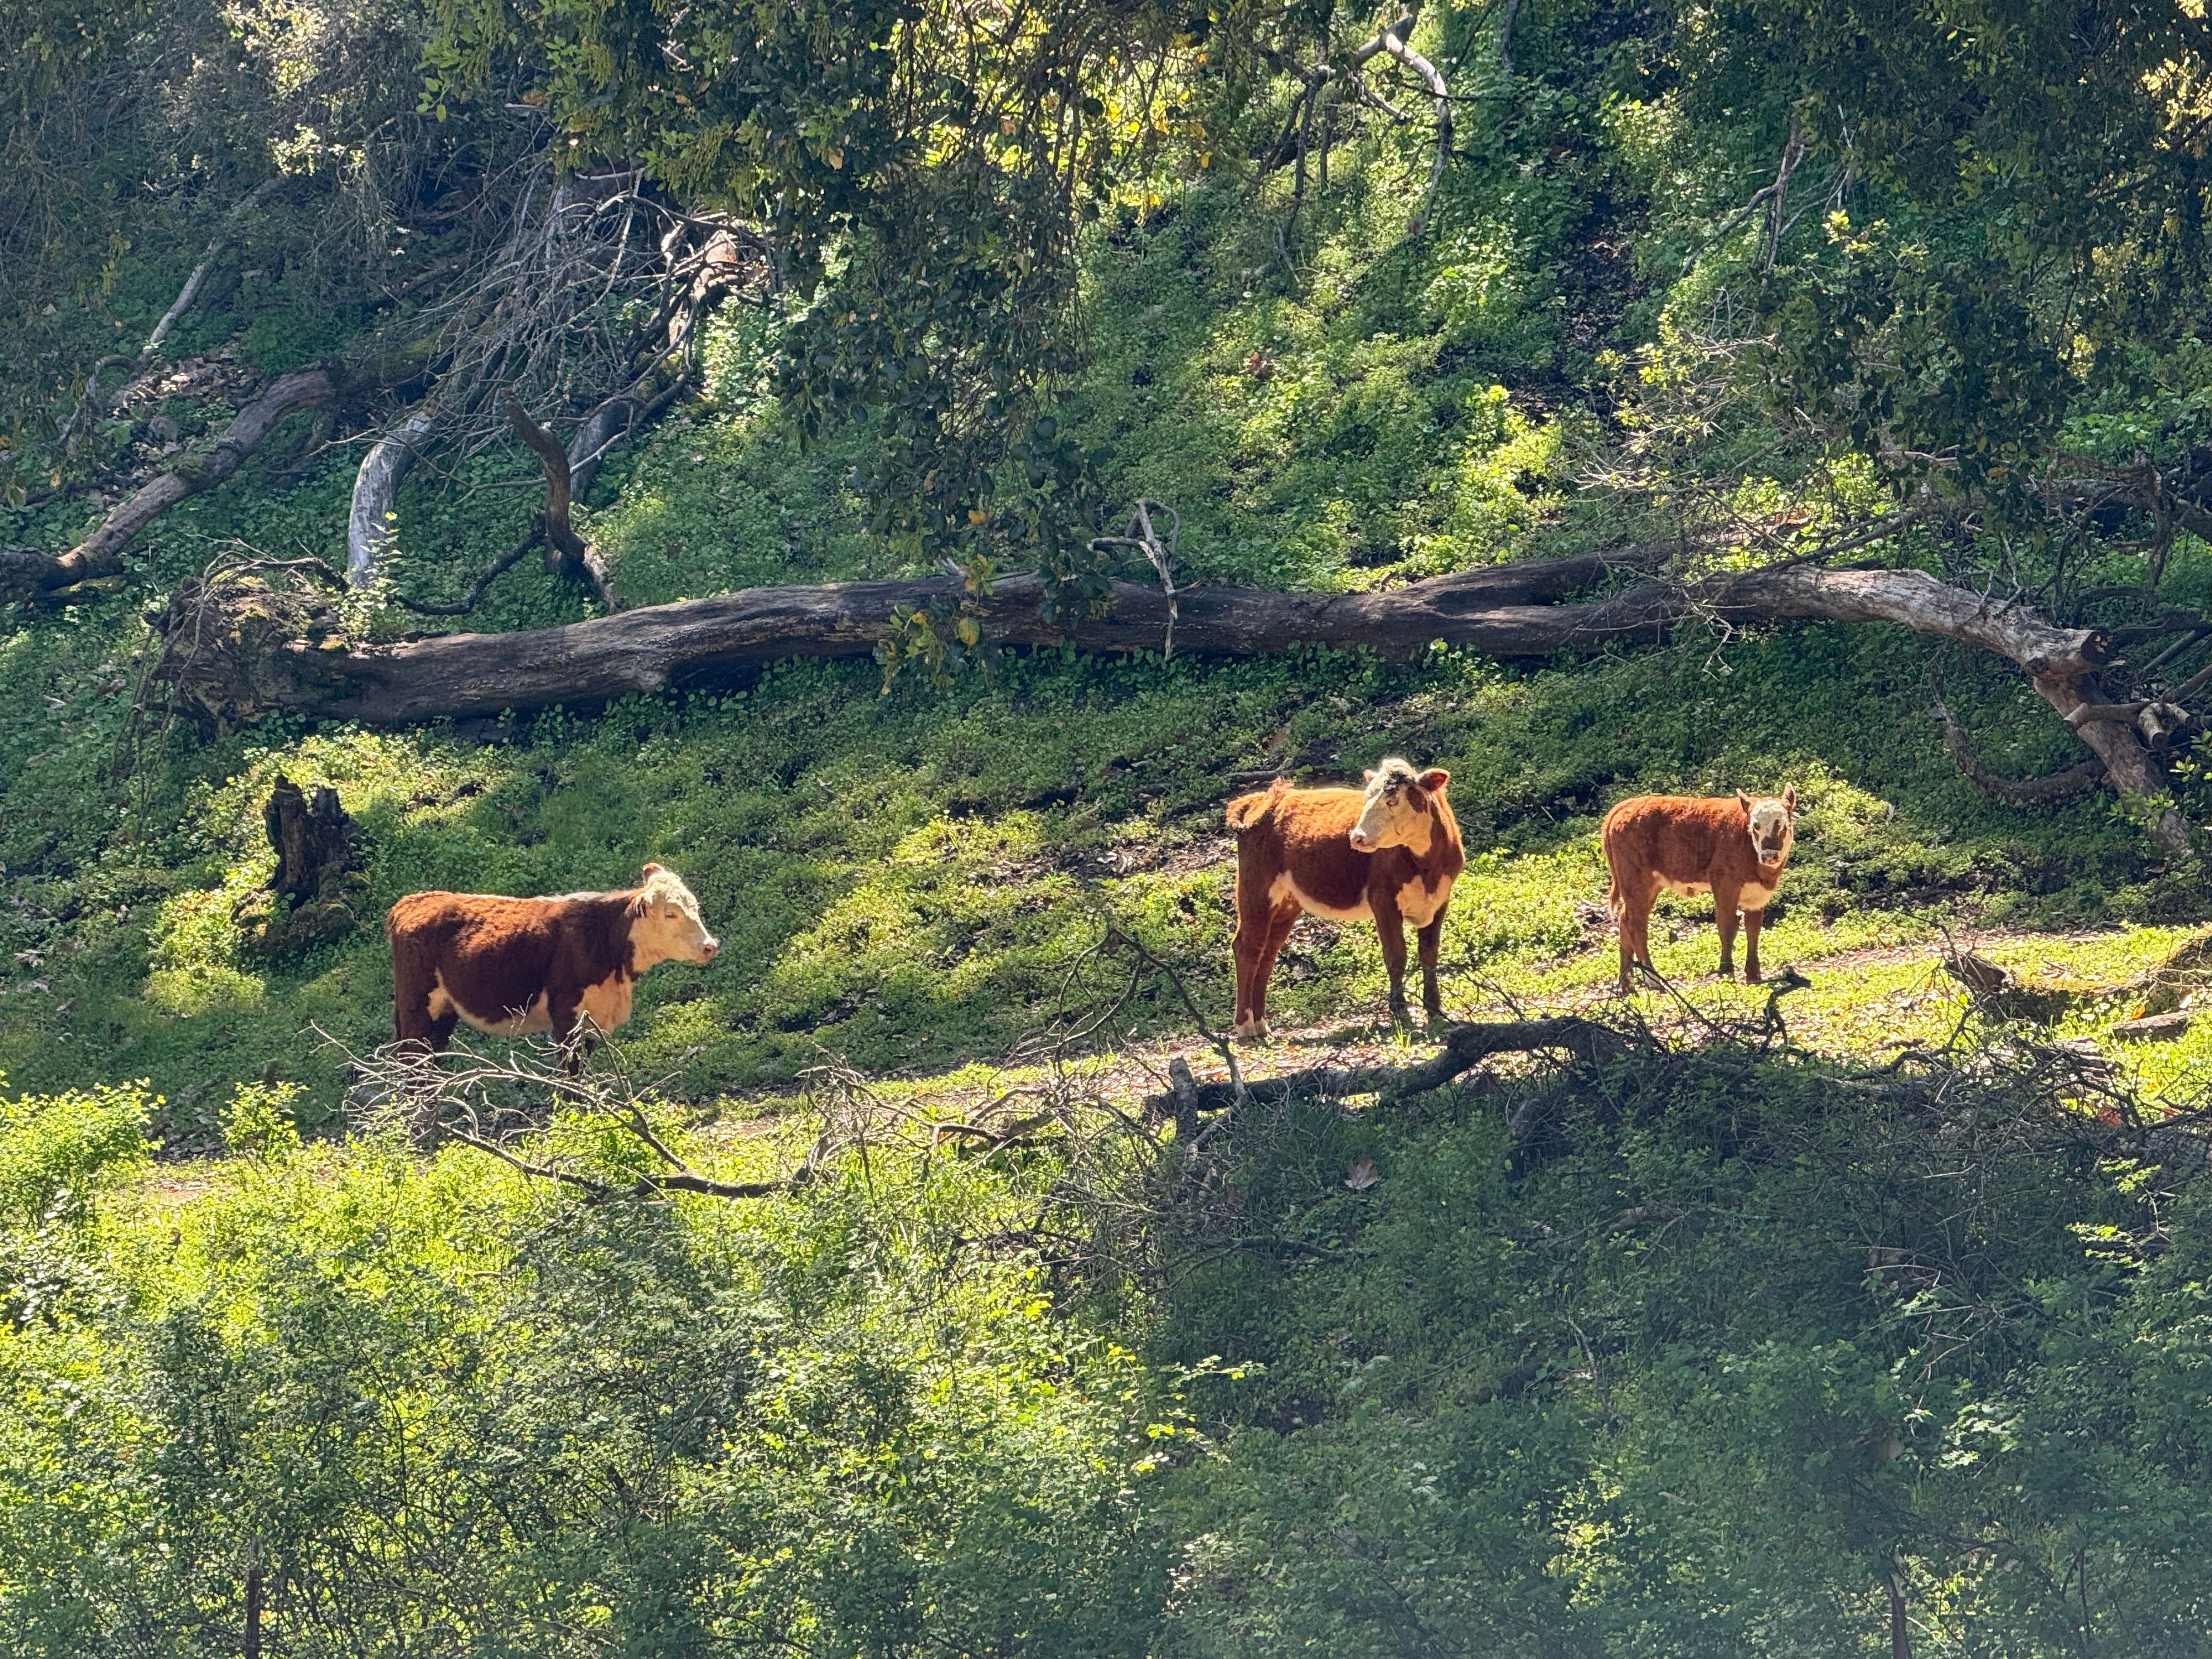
[26, 573]
[657, 647]
[1499, 612]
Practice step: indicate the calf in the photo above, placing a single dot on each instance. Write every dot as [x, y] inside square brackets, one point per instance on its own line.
[1389, 854]
[564, 965]
[1732, 848]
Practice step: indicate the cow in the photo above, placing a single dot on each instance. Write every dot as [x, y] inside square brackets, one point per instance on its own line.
[1733, 847]
[1388, 854]
[564, 965]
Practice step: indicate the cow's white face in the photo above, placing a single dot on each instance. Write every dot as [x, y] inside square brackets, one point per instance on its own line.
[1396, 810]
[1773, 824]
[664, 925]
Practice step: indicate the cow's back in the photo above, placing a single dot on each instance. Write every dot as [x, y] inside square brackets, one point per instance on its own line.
[490, 954]
[1677, 838]
[1306, 834]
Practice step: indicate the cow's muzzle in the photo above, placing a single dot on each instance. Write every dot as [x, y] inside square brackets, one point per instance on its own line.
[1362, 841]
[707, 950]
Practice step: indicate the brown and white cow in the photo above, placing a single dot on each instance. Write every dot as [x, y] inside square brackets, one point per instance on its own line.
[1733, 847]
[564, 965]
[1388, 854]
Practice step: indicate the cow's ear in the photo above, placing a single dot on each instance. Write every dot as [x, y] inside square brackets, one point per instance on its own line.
[1743, 800]
[649, 873]
[1434, 779]
[1789, 798]
[1369, 774]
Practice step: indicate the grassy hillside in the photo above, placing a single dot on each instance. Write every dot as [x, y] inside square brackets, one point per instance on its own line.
[902, 876]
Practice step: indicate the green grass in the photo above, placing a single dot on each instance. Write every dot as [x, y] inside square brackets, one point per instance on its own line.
[902, 880]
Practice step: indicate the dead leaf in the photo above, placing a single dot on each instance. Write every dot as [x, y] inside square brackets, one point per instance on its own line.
[1361, 1175]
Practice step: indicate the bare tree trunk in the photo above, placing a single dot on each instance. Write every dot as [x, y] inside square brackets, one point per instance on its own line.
[25, 574]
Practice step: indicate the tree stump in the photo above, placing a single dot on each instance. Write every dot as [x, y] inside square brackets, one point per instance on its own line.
[316, 891]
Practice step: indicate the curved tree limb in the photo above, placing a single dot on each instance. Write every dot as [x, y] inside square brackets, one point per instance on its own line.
[2075, 780]
[1393, 41]
[567, 553]
[376, 491]
[26, 574]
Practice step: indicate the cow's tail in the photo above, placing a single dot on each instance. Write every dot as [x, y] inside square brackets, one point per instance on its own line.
[1248, 811]
[1616, 897]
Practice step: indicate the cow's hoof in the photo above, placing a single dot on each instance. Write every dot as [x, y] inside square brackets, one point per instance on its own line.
[1399, 1015]
[1251, 1031]
[1436, 1017]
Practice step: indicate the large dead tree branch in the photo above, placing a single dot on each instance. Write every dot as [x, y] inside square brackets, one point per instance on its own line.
[25, 574]
[567, 555]
[657, 647]
[90, 405]
[1465, 1047]
[2048, 791]
[514, 324]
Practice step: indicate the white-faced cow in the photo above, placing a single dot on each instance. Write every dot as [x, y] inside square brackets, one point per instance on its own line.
[564, 965]
[1733, 847]
[1388, 854]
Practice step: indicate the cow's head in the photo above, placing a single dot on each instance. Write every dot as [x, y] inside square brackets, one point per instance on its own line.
[1397, 811]
[1773, 822]
[664, 925]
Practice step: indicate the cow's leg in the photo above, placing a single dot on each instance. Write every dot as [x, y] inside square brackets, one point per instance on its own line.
[1279, 924]
[1390, 929]
[1254, 922]
[412, 1022]
[1634, 923]
[1430, 938]
[572, 1035]
[1753, 921]
[1725, 913]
